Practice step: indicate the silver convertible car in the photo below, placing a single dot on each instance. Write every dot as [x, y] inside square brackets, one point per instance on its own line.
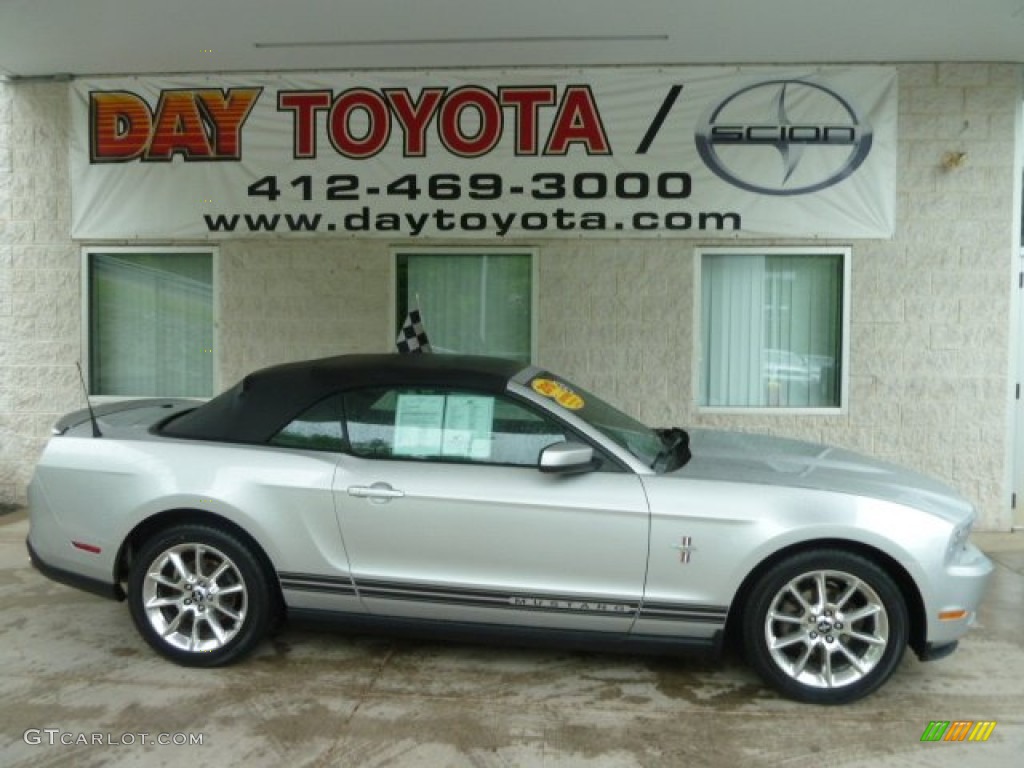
[481, 498]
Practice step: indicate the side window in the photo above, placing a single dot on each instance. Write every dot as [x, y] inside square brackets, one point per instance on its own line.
[317, 429]
[439, 425]
[521, 434]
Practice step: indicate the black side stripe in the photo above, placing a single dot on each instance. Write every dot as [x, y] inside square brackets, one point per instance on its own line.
[304, 582]
[701, 614]
[485, 598]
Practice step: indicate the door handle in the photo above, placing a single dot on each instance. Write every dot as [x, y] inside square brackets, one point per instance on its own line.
[379, 493]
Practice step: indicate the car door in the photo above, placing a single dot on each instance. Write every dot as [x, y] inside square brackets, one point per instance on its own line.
[445, 515]
[295, 477]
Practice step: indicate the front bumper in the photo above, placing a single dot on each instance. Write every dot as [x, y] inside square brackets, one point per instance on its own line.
[958, 589]
[932, 652]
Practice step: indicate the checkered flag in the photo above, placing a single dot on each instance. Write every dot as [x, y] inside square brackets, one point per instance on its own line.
[412, 338]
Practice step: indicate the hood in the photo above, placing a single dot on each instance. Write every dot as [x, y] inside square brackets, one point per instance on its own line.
[759, 459]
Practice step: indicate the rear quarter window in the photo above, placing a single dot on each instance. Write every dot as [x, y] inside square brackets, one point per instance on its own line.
[319, 428]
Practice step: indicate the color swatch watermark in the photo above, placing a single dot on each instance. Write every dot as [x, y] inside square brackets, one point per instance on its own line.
[958, 730]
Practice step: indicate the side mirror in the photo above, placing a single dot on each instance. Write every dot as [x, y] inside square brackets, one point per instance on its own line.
[567, 458]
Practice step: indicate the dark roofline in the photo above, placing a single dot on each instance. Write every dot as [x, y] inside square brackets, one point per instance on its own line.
[353, 371]
[260, 404]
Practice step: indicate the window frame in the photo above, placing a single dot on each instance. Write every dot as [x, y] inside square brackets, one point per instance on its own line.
[420, 250]
[85, 352]
[846, 254]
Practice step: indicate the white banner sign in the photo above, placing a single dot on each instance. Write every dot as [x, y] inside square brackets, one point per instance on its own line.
[535, 153]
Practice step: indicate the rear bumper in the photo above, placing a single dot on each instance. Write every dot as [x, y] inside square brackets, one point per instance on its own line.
[52, 549]
[95, 586]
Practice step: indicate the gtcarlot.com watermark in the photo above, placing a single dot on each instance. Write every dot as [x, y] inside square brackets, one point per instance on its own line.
[53, 737]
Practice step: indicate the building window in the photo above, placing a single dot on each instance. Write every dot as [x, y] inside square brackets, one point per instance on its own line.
[475, 301]
[773, 328]
[150, 322]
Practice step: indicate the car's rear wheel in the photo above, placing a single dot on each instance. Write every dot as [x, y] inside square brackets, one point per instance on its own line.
[199, 596]
[826, 627]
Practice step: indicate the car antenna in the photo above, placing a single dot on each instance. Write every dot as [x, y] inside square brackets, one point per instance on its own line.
[88, 404]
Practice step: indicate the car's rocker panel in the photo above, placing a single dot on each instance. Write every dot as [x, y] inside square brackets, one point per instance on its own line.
[510, 634]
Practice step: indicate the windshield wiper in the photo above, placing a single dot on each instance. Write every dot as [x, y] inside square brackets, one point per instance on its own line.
[675, 452]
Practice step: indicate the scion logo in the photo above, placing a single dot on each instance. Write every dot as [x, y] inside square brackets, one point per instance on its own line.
[784, 137]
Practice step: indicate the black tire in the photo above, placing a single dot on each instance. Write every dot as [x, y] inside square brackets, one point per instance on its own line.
[199, 596]
[825, 627]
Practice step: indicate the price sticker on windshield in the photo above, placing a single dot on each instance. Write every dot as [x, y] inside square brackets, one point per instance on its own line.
[558, 392]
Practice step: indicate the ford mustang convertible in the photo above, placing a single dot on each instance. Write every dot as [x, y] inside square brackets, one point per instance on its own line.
[483, 498]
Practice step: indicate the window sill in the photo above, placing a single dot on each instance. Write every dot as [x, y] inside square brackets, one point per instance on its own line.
[716, 410]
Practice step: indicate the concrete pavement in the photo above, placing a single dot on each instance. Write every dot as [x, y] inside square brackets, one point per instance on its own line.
[74, 670]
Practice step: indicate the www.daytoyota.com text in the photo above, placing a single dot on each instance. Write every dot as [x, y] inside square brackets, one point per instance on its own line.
[549, 204]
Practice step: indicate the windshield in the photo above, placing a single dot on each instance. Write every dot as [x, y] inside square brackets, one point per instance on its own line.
[643, 442]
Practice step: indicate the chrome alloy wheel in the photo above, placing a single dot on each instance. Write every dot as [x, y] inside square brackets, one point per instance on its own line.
[826, 629]
[194, 597]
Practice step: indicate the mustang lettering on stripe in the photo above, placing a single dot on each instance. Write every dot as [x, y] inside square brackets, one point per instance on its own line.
[594, 605]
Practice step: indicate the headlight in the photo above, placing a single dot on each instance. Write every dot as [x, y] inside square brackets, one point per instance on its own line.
[958, 539]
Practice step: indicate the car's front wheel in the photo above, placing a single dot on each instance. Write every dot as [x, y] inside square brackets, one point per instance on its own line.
[826, 627]
[199, 596]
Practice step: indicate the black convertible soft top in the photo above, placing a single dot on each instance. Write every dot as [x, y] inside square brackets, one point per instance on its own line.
[258, 406]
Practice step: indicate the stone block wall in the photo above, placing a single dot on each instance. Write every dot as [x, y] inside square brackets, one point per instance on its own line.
[930, 359]
[40, 292]
[299, 300]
